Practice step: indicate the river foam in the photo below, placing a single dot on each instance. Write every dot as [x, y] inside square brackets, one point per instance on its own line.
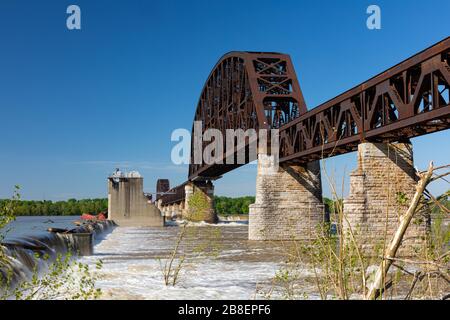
[132, 270]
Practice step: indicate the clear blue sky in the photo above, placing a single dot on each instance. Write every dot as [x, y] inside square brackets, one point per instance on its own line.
[76, 104]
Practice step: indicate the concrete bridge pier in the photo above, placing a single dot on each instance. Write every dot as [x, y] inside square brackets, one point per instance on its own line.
[167, 211]
[158, 204]
[172, 210]
[381, 189]
[188, 191]
[181, 210]
[199, 202]
[288, 203]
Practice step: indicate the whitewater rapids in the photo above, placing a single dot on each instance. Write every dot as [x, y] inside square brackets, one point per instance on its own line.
[132, 265]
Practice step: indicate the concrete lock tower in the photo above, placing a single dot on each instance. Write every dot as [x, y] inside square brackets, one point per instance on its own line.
[127, 203]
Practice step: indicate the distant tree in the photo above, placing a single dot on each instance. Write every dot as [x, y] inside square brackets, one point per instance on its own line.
[59, 208]
[228, 206]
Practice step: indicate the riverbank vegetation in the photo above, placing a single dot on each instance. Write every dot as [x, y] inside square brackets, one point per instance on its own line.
[226, 206]
[71, 207]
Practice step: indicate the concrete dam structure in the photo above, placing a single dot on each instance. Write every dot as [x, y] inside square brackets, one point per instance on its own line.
[127, 203]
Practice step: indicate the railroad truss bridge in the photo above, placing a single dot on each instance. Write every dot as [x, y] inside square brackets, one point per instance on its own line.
[260, 90]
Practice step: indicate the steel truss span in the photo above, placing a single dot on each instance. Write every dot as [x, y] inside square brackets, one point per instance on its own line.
[408, 100]
[260, 90]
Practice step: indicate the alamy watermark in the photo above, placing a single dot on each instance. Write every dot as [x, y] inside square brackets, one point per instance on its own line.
[73, 21]
[235, 146]
[374, 20]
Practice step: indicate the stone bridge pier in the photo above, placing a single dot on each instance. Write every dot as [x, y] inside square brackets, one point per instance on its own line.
[381, 188]
[288, 203]
[199, 202]
[170, 211]
[196, 205]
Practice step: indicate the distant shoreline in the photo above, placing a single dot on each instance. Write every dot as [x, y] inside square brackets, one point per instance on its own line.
[224, 206]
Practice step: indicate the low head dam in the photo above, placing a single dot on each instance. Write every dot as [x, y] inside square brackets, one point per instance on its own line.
[260, 91]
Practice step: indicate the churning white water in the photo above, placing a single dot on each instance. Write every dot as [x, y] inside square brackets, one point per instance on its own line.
[132, 260]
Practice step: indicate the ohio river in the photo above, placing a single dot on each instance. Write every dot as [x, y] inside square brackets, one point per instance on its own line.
[220, 263]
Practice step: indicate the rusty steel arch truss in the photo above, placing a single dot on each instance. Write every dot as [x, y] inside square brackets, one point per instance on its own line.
[246, 90]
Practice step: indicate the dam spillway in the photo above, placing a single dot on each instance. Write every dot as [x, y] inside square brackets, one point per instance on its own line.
[25, 254]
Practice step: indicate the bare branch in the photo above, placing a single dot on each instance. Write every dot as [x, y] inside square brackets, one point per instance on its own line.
[396, 241]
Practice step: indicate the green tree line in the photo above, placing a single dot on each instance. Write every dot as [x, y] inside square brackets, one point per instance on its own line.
[71, 207]
[223, 206]
[228, 206]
